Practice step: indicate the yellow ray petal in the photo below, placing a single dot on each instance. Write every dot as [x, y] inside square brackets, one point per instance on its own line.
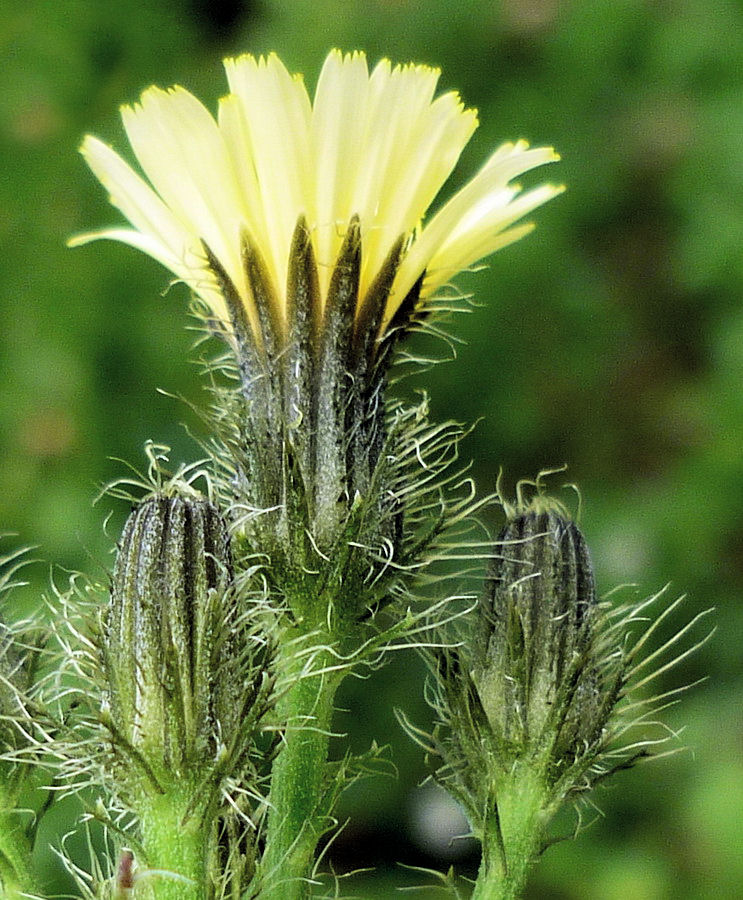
[180, 149]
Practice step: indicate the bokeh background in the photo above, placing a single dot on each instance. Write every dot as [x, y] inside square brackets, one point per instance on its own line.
[610, 340]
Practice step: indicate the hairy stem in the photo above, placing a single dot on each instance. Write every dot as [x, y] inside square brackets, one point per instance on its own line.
[176, 845]
[298, 816]
[513, 836]
[16, 876]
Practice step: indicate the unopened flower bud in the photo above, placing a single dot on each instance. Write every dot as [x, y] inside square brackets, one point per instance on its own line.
[172, 688]
[534, 663]
[22, 646]
[9, 700]
[533, 704]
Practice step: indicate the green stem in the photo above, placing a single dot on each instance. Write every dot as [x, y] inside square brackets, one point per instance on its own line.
[297, 817]
[513, 835]
[15, 856]
[175, 841]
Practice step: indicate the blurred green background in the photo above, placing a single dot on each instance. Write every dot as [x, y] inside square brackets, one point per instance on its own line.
[610, 340]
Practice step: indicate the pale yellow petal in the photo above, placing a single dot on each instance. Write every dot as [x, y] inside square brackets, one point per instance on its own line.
[339, 118]
[435, 144]
[236, 136]
[134, 197]
[190, 267]
[276, 117]
[156, 232]
[482, 237]
[413, 144]
[398, 98]
[488, 191]
[180, 149]
[494, 212]
[142, 241]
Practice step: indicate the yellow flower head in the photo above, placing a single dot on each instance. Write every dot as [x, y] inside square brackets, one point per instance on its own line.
[373, 147]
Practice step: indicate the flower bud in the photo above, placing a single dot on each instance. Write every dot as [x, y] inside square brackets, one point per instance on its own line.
[22, 646]
[8, 691]
[533, 661]
[536, 702]
[172, 683]
[316, 458]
